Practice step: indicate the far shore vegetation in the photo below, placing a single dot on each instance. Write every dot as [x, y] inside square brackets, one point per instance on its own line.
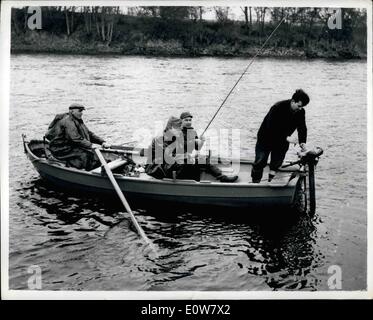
[190, 31]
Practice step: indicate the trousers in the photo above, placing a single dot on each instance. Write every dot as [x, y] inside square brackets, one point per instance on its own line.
[262, 153]
[192, 171]
[78, 158]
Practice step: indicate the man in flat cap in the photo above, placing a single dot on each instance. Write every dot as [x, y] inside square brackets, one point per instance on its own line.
[193, 142]
[71, 141]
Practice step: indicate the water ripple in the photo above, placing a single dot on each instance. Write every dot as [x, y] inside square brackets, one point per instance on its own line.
[83, 242]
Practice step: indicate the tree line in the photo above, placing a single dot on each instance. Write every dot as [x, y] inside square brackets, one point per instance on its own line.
[198, 26]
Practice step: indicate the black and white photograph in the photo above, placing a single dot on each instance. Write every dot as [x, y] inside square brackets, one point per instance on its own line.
[184, 150]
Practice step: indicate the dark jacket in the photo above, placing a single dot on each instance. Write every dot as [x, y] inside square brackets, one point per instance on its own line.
[155, 151]
[190, 144]
[279, 123]
[67, 133]
[53, 128]
[157, 165]
[168, 153]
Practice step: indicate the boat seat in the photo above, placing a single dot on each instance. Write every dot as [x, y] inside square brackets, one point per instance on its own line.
[112, 165]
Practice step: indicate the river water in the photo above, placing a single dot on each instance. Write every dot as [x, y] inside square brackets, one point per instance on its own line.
[83, 243]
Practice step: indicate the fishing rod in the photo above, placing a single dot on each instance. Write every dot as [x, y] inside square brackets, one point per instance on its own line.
[247, 68]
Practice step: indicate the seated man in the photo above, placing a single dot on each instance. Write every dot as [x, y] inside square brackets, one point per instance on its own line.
[192, 142]
[71, 141]
[156, 166]
[170, 155]
[176, 162]
[275, 131]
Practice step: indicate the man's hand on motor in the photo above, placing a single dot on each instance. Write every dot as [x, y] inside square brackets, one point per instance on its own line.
[303, 147]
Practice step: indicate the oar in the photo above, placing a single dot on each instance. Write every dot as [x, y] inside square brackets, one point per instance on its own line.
[123, 145]
[128, 142]
[140, 152]
[120, 150]
[123, 199]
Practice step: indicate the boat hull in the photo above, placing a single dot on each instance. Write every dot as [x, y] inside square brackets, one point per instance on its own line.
[204, 193]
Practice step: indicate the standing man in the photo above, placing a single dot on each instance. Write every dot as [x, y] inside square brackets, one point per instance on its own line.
[193, 142]
[71, 141]
[274, 134]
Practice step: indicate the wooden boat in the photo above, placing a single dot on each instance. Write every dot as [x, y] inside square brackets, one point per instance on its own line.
[281, 191]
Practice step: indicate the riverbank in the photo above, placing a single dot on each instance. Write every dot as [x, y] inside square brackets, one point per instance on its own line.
[46, 42]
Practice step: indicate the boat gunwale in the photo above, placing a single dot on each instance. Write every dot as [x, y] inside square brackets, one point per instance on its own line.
[166, 181]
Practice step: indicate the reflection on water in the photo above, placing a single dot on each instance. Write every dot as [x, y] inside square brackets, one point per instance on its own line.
[87, 242]
[191, 247]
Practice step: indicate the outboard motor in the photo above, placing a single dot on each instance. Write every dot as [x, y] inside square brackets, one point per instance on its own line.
[311, 158]
[311, 155]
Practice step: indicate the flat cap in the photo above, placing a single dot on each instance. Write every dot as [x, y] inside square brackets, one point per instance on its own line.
[76, 106]
[186, 115]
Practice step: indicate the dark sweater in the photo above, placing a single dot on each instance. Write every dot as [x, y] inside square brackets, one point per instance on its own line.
[190, 135]
[279, 123]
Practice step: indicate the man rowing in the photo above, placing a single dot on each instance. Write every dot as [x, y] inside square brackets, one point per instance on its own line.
[71, 141]
[274, 134]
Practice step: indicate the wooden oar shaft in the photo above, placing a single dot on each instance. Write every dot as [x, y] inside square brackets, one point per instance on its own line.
[121, 151]
[121, 196]
[122, 146]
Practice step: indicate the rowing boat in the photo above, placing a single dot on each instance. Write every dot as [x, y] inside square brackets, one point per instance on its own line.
[281, 191]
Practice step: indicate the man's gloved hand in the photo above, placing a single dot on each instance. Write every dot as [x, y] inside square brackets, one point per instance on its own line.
[303, 147]
[106, 145]
[201, 141]
[191, 159]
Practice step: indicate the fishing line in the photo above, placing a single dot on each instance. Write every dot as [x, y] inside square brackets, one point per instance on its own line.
[247, 68]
